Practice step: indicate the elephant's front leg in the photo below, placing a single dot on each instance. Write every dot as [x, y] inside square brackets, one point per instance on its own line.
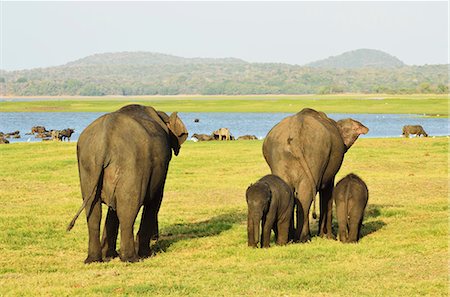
[110, 232]
[326, 208]
[267, 225]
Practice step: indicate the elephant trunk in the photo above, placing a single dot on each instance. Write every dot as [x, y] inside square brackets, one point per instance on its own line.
[253, 231]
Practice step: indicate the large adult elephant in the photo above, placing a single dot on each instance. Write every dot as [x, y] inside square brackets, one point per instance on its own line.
[123, 158]
[306, 150]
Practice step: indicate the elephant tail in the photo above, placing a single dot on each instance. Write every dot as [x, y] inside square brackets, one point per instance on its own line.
[94, 193]
[314, 214]
[346, 198]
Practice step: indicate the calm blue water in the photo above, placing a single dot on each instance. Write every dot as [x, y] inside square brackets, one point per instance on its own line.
[380, 125]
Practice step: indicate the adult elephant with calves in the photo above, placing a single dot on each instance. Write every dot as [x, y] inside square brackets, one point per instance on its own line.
[123, 158]
[306, 150]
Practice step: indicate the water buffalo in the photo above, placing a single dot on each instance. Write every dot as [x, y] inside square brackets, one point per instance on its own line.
[66, 133]
[247, 137]
[38, 129]
[413, 129]
[203, 137]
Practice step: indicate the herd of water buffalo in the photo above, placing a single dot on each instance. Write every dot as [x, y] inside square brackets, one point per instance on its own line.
[40, 132]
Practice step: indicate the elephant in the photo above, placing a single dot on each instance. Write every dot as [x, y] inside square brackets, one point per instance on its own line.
[413, 129]
[247, 137]
[222, 134]
[270, 201]
[123, 158]
[306, 150]
[203, 137]
[55, 135]
[351, 196]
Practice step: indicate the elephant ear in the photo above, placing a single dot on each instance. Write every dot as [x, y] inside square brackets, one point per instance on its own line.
[178, 132]
[164, 117]
[350, 131]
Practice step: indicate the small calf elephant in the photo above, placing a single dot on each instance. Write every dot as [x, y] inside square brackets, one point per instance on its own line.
[350, 195]
[222, 134]
[413, 129]
[270, 201]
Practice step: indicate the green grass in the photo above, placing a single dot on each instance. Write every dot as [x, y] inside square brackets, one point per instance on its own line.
[348, 103]
[203, 248]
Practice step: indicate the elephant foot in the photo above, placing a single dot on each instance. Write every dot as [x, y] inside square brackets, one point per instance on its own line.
[145, 252]
[304, 238]
[110, 255]
[130, 259]
[92, 259]
[328, 236]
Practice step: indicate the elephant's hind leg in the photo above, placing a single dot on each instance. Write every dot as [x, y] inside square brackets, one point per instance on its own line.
[305, 197]
[110, 232]
[326, 207]
[127, 215]
[94, 215]
[149, 228]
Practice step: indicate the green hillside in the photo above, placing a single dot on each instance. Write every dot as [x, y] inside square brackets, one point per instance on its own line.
[360, 58]
[143, 73]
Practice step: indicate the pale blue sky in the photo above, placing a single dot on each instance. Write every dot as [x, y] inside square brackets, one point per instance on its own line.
[42, 34]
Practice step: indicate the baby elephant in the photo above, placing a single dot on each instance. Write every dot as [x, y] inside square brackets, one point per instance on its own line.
[270, 201]
[350, 196]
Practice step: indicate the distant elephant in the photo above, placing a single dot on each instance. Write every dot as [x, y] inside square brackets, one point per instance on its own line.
[55, 135]
[350, 195]
[123, 158]
[247, 137]
[306, 150]
[413, 129]
[270, 201]
[203, 137]
[222, 134]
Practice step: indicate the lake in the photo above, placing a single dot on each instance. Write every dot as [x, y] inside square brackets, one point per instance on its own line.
[239, 123]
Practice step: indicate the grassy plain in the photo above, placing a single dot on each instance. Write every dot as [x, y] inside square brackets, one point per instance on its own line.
[345, 103]
[203, 252]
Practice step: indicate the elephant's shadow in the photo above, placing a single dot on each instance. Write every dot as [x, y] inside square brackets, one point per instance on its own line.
[211, 227]
[372, 211]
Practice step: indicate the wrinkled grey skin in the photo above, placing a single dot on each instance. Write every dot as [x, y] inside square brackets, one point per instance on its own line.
[123, 159]
[413, 129]
[351, 196]
[270, 203]
[306, 150]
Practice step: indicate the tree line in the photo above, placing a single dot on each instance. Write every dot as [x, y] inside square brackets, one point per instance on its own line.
[220, 79]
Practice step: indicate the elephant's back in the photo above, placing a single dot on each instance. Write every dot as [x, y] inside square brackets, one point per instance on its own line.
[120, 135]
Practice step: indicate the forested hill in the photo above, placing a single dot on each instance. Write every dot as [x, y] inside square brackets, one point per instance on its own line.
[360, 58]
[147, 58]
[144, 73]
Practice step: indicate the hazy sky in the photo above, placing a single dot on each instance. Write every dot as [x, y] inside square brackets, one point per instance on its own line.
[41, 34]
